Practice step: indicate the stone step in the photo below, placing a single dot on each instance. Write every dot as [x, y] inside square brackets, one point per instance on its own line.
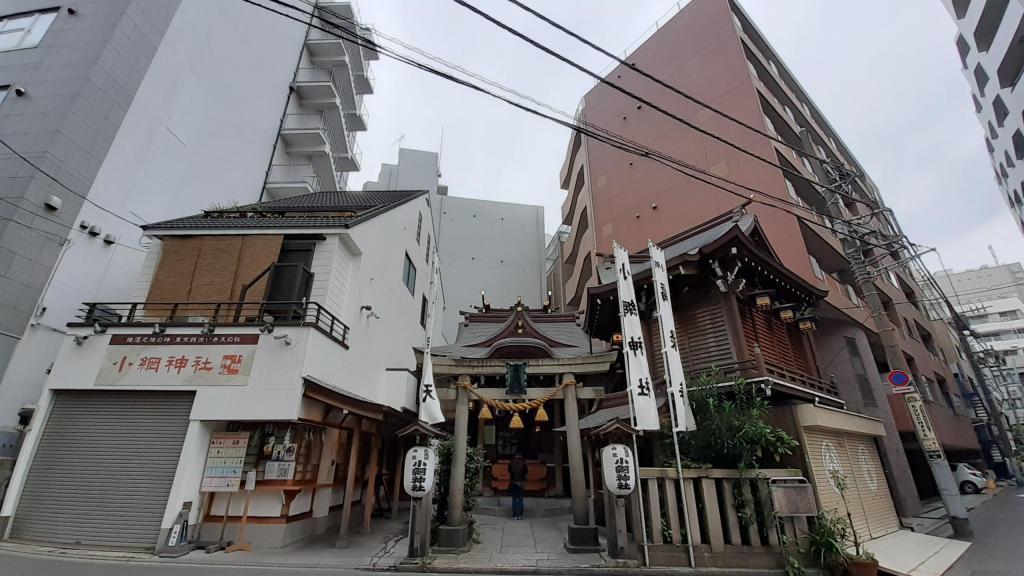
[501, 506]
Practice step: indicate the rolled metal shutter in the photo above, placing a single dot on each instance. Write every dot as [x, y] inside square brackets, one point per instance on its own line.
[856, 458]
[103, 468]
[874, 491]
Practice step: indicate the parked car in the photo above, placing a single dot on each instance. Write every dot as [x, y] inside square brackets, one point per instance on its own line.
[967, 477]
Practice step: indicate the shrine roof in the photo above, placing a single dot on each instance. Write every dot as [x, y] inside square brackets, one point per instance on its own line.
[519, 333]
[316, 210]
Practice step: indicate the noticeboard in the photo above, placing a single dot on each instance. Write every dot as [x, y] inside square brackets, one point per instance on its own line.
[224, 462]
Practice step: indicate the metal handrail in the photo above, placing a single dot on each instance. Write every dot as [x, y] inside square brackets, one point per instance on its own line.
[233, 313]
[315, 74]
[294, 173]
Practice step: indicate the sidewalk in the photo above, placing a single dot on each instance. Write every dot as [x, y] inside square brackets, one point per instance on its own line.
[932, 519]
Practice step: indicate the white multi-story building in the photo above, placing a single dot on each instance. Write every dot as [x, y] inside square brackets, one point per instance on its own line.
[290, 324]
[145, 111]
[1000, 325]
[990, 42]
[489, 248]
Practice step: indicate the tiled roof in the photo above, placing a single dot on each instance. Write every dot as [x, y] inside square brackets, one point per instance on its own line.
[276, 213]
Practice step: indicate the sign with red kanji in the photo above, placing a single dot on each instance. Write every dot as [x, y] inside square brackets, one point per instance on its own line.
[178, 360]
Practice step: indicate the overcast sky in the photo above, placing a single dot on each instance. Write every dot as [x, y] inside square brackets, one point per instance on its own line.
[891, 86]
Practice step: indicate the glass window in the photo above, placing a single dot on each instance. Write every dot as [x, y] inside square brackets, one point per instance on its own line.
[3, 93]
[892, 278]
[792, 192]
[419, 227]
[426, 257]
[817, 268]
[25, 30]
[409, 275]
[423, 312]
[860, 373]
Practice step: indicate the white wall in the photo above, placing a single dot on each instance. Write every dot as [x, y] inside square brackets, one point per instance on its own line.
[497, 247]
[199, 131]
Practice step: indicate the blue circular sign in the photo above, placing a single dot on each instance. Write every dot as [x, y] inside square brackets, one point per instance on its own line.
[899, 378]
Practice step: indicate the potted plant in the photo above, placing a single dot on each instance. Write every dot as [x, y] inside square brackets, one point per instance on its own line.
[859, 561]
[826, 542]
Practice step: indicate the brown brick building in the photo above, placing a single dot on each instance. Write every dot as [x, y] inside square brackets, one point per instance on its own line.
[712, 51]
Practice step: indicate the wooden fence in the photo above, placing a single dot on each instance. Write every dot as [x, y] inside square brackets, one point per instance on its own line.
[732, 520]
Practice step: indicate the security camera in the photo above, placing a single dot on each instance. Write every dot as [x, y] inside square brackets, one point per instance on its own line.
[99, 328]
[267, 328]
[80, 339]
[19, 91]
[72, 11]
[287, 339]
[208, 327]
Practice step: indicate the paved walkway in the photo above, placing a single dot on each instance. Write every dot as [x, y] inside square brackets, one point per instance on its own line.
[998, 548]
[507, 543]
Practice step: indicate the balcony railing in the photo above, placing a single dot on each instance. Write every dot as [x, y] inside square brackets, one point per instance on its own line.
[289, 173]
[315, 74]
[252, 313]
[758, 368]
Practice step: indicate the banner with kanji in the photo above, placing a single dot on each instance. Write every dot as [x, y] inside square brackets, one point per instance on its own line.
[638, 372]
[677, 395]
[430, 404]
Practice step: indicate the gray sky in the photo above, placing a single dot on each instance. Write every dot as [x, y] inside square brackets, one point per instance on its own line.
[892, 87]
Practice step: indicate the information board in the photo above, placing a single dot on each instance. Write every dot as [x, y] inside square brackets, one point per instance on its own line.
[224, 462]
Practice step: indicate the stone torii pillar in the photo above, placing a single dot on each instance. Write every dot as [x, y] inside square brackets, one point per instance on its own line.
[582, 535]
[454, 534]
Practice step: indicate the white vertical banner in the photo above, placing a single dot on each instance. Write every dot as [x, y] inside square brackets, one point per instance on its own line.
[638, 372]
[677, 395]
[430, 405]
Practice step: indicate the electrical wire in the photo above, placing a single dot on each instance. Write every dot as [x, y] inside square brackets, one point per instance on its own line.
[601, 79]
[604, 136]
[62, 185]
[58, 222]
[632, 66]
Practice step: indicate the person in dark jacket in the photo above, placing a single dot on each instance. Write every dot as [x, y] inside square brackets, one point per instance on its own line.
[517, 476]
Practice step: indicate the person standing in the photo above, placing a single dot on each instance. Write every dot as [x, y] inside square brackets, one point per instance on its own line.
[517, 476]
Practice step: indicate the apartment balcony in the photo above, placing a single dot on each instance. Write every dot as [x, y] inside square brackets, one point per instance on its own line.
[285, 181]
[311, 136]
[316, 87]
[325, 48]
[254, 314]
[368, 53]
[362, 80]
[355, 116]
[350, 160]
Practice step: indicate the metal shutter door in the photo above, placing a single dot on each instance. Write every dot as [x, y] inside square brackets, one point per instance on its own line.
[103, 469]
[874, 492]
[828, 453]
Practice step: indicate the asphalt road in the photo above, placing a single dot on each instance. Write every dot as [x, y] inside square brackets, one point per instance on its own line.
[998, 548]
[23, 565]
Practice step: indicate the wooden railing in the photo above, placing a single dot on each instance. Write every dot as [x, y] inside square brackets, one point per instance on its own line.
[731, 517]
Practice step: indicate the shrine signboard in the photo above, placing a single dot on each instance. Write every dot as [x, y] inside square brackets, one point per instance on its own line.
[618, 469]
[178, 360]
[224, 462]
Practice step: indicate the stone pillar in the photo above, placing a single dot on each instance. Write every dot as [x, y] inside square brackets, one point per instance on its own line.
[350, 481]
[454, 534]
[582, 535]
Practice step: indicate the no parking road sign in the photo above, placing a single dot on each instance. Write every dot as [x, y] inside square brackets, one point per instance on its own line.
[901, 382]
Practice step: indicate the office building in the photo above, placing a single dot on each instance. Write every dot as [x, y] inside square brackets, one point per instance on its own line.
[990, 42]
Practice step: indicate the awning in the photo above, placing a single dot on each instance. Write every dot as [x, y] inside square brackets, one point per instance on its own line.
[907, 553]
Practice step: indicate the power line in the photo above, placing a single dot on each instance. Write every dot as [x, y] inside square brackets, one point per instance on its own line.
[604, 135]
[632, 66]
[58, 222]
[941, 298]
[61, 184]
[601, 79]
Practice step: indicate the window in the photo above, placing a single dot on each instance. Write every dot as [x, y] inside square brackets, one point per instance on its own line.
[792, 192]
[427, 256]
[419, 227]
[807, 164]
[981, 79]
[25, 30]
[1012, 65]
[851, 295]
[860, 373]
[3, 93]
[999, 107]
[977, 104]
[988, 23]
[789, 114]
[1018, 145]
[817, 268]
[423, 312]
[892, 278]
[1009, 315]
[409, 275]
[771, 127]
[963, 48]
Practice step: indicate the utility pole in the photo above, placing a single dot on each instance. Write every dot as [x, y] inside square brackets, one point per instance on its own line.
[863, 278]
[994, 408]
